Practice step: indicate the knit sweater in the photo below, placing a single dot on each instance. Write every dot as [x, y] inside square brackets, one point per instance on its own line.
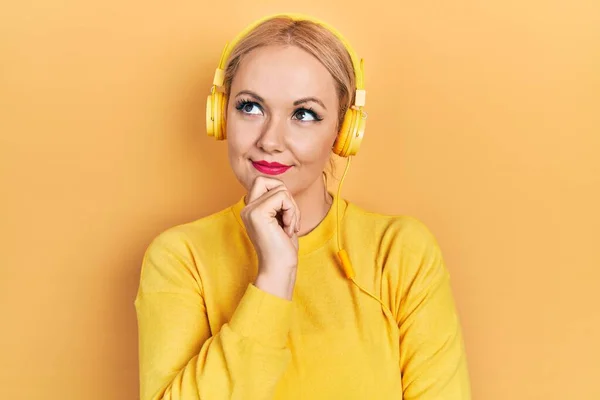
[206, 332]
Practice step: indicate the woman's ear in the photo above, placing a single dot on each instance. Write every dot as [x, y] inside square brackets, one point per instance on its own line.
[331, 166]
[334, 139]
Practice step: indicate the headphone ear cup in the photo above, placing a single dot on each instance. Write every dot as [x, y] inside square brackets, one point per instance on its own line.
[350, 135]
[210, 124]
[357, 133]
[342, 137]
[222, 112]
[215, 115]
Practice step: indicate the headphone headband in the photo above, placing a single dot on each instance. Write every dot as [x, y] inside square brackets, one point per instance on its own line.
[358, 64]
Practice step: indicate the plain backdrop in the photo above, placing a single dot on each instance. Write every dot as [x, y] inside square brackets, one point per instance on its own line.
[484, 122]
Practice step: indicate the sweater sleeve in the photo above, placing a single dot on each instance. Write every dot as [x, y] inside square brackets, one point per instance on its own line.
[179, 357]
[432, 354]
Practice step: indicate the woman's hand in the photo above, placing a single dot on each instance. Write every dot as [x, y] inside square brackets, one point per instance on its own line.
[272, 220]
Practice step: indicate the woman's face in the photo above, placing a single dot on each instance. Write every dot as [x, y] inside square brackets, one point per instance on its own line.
[282, 108]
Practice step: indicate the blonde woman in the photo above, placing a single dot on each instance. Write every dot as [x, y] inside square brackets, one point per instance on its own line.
[294, 292]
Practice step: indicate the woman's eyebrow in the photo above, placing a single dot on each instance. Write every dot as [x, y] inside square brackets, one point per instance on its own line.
[309, 99]
[251, 93]
[296, 103]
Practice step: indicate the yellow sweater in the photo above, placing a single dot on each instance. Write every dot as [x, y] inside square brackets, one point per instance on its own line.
[206, 332]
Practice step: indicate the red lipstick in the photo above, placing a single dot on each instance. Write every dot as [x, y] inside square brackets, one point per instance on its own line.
[270, 168]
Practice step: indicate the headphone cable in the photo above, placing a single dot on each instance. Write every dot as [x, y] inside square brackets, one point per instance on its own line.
[343, 255]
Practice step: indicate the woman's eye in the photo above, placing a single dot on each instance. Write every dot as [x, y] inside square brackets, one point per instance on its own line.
[304, 115]
[250, 108]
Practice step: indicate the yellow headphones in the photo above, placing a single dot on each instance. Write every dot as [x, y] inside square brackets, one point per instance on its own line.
[352, 130]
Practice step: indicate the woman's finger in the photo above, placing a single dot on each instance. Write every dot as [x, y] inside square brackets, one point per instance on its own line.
[263, 188]
[262, 185]
[280, 201]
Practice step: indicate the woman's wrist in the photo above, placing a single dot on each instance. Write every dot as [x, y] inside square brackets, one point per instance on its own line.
[277, 281]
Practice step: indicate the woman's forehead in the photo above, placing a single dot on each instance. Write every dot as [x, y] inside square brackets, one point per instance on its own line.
[284, 73]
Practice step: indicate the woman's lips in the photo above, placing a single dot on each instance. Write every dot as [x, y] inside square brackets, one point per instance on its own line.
[270, 168]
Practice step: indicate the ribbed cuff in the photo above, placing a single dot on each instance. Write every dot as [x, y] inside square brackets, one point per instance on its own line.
[262, 316]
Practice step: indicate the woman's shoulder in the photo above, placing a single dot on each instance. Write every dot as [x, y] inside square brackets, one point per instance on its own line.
[404, 244]
[405, 230]
[202, 230]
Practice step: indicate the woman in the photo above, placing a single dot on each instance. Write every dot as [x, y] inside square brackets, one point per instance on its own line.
[252, 302]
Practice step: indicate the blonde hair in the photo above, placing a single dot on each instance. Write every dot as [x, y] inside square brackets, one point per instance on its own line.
[308, 36]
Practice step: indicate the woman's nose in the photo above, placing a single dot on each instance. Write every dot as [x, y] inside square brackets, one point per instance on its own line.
[271, 139]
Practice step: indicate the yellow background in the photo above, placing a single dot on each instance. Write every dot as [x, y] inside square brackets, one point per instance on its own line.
[484, 122]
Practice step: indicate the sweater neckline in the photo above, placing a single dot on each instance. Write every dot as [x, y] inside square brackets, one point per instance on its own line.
[314, 239]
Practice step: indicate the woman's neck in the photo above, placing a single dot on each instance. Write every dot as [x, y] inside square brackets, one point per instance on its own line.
[314, 203]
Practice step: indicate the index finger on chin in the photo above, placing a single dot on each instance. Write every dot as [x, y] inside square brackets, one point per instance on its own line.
[261, 185]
